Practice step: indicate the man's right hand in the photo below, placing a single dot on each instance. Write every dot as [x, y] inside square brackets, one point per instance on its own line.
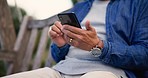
[56, 35]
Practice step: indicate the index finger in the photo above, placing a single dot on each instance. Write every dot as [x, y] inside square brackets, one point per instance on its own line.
[58, 24]
[73, 29]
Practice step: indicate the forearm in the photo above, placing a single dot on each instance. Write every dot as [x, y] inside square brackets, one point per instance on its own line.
[59, 53]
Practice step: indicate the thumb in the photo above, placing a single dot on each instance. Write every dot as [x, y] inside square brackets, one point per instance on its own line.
[88, 26]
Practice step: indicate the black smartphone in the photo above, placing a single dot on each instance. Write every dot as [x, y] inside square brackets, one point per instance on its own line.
[69, 18]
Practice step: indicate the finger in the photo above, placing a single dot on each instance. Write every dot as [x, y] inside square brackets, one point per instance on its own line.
[72, 29]
[70, 34]
[67, 39]
[53, 34]
[71, 41]
[88, 26]
[58, 24]
[50, 28]
[56, 29]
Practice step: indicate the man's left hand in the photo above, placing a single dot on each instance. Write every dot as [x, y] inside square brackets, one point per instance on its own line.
[84, 39]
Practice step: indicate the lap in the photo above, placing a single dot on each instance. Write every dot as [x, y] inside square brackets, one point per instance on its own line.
[99, 74]
[50, 73]
[93, 74]
[38, 73]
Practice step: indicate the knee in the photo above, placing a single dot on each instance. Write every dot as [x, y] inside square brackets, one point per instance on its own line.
[99, 74]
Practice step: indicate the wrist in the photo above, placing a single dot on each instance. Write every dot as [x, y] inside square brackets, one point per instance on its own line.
[60, 44]
[64, 46]
[96, 51]
[99, 44]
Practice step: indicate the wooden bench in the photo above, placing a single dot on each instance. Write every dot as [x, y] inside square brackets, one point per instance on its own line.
[30, 48]
[32, 38]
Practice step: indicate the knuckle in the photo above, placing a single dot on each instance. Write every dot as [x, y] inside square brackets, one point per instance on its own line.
[55, 23]
[68, 33]
[81, 38]
[83, 33]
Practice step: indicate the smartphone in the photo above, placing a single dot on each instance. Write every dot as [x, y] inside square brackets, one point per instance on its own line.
[69, 18]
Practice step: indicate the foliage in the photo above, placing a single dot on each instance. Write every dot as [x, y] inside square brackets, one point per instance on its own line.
[2, 69]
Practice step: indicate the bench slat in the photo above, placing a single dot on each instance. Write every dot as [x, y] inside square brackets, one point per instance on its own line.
[30, 49]
[21, 44]
[22, 31]
[45, 22]
[41, 48]
[7, 55]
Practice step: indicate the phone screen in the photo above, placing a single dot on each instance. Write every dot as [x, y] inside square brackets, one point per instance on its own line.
[70, 19]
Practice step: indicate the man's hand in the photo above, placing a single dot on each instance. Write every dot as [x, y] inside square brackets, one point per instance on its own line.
[80, 38]
[56, 35]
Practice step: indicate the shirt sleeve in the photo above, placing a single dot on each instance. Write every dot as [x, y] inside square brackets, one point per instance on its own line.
[59, 53]
[134, 55]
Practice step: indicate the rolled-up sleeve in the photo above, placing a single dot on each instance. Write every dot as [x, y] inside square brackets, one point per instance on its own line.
[59, 53]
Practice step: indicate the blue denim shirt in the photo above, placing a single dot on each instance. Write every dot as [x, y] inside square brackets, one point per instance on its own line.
[126, 46]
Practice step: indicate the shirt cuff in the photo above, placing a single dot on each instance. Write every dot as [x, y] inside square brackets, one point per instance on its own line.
[60, 49]
[104, 50]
